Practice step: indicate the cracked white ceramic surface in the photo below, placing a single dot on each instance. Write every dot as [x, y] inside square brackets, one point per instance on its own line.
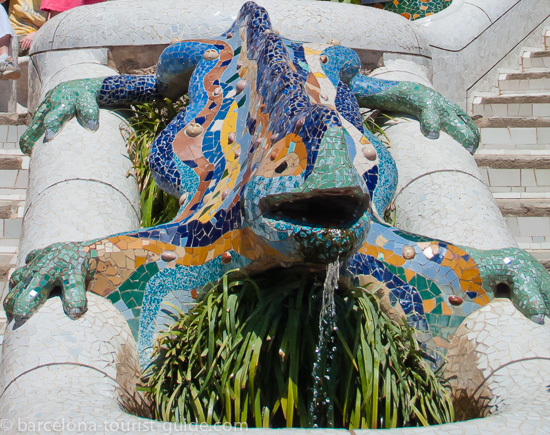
[160, 21]
[440, 192]
[74, 211]
[83, 178]
[78, 372]
[513, 359]
[61, 371]
[79, 154]
[464, 44]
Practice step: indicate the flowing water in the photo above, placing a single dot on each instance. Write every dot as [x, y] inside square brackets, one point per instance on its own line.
[321, 408]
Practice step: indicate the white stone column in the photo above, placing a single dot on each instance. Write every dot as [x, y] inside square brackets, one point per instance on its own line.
[440, 192]
[81, 184]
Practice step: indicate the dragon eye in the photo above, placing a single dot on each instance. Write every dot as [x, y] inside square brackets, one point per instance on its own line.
[281, 168]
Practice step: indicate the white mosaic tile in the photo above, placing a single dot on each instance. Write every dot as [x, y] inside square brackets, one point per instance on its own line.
[76, 210]
[470, 52]
[106, 159]
[88, 396]
[151, 24]
[441, 192]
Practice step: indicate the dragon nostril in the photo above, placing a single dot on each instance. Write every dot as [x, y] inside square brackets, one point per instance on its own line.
[281, 168]
[503, 290]
[328, 208]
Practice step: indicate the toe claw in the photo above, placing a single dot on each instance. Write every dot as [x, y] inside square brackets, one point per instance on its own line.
[20, 319]
[432, 135]
[75, 312]
[538, 318]
[48, 135]
[91, 125]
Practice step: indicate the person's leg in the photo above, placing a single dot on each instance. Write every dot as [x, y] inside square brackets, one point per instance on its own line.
[5, 42]
[8, 69]
[6, 33]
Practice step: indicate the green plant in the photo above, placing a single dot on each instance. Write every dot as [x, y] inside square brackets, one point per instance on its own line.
[470, 406]
[374, 121]
[147, 121]
[245, 352]
[390, 214]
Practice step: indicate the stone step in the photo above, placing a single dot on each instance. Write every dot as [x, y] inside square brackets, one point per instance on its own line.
[13, 159]
[513, 106]
[513, 159]
[3, 324]
[504, 122]
[537, 205]
[12, 208]
[514, 133]
[542, 255]
[10, 133]
[14, 169]
[515, 175]
[14, 172]
[8, 258]
[524, 82]
[547, 39]
[527, 215]
[20, 192]
[535, 60]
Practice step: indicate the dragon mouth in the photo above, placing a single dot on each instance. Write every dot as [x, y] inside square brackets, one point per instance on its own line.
[326, 208]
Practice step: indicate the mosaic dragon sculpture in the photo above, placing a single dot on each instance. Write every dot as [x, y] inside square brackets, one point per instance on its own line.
[273, 166]
[411, 9]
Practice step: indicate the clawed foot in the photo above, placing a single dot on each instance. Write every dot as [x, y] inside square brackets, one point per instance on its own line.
[77, 97]
[516, 274]
[64, 265]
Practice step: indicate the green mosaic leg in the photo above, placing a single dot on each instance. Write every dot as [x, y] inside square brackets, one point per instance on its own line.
[519, 274]
[77, 97]
[434, 111]
[62, 264]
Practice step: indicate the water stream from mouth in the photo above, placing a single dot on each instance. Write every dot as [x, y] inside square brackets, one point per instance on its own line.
[321, 410]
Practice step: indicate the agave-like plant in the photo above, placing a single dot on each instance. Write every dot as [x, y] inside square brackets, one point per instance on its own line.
[146, 121]
[244, 354]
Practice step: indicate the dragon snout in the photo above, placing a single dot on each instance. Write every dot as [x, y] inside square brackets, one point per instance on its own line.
[321, 208]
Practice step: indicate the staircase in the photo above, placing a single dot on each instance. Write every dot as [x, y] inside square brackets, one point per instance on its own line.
[14, 172]
[514, 156]
[14, 175]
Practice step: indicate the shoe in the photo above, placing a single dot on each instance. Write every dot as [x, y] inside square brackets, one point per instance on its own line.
[9, 70]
